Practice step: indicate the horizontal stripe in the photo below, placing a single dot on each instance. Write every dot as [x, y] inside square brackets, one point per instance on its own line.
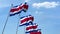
[26, 23]
[37, 30]
[33, 24]
[27, 19]
[24, 17]
[15, 13]
[31, 31]
[31, 27]
[24, 20]
[21, 18]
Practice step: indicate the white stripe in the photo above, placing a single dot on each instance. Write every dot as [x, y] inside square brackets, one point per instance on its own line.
[29, 21]
[22, 23]
[15, 12]
[29, 16]
[29, 26]
[31, 30]
[25, 22]
[23, 18]
[26, 17]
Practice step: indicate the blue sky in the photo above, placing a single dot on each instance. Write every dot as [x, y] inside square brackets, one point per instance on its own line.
[45, 12]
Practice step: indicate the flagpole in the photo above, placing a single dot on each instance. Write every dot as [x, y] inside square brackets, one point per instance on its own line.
[17, 24]
[6, 22]
[17, 28]
[5, 25]
[25, 30]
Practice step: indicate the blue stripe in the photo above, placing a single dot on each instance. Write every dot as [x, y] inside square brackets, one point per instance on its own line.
[25, 16]
[15, 6]
[15, 13]
[32, 31]
[24, 24]
[22, 17]
[30, 23]
[24, 10]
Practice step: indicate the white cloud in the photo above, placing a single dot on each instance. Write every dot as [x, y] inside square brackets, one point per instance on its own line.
[27, 0]
[46, 4]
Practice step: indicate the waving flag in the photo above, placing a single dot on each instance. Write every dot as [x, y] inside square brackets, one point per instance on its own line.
[31, 27]
[15, 10]
[26, 19]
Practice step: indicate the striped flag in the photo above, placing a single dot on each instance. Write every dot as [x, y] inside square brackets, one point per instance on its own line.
[26, 19]
[31, 27]
[18, 9]
[15, 10]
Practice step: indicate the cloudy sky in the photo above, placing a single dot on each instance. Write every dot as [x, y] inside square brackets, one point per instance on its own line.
[45, 12]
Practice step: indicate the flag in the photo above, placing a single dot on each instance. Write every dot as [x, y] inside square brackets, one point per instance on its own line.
[15, 10]
[26, 19]
[18, 9]
[31, 27]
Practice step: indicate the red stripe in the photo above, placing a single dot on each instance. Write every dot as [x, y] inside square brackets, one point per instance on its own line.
[16, 9]
[31, 27]
[31, 18]
[24, 20]
[35, 32]
[27, 19]
[25, 6]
